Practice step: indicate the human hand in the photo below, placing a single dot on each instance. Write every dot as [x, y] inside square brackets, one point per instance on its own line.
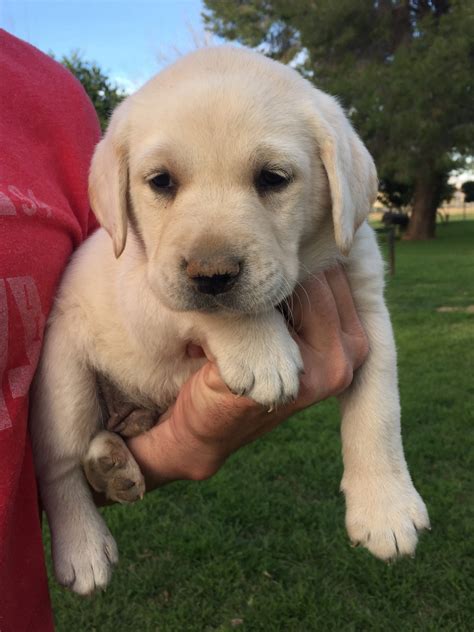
[207, 423]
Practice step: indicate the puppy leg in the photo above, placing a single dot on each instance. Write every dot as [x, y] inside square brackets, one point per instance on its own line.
[256, 356]
[111, 469]
[64, 417]
[384, 510]
[121, 416]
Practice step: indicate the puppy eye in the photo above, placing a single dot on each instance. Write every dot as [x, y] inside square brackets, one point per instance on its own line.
[162, 181]
[271, 180]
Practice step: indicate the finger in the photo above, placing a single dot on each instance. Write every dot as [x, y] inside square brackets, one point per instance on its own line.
[266, 421]
[315, 311]
[341, 291]
[355, 339]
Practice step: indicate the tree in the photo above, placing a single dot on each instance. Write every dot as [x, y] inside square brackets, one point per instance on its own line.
[104, 95]
[468, 189]
[394, 195]
[403, 69]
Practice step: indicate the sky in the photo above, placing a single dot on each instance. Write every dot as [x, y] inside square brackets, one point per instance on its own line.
[129, 39]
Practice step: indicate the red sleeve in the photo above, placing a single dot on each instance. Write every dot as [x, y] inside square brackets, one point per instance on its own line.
[48, 129]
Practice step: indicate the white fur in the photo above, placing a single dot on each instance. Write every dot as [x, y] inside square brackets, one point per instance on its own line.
[213, 120]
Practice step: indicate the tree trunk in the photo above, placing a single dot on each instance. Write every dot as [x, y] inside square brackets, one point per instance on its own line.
[425, 205]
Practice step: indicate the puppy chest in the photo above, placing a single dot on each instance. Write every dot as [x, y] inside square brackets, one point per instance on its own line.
[147, 379]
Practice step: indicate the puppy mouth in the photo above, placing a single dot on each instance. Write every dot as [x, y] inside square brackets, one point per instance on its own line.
[244, 295]
[242, 298]
[236, 302]
[230, 302]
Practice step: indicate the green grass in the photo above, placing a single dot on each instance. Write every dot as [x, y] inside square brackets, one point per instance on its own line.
[262, 545]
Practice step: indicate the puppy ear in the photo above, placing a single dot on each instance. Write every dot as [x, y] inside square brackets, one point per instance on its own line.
[350, 169]
[108, 180]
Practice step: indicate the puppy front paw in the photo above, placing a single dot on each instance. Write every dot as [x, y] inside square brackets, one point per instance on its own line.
[267, 371]
[385, 516]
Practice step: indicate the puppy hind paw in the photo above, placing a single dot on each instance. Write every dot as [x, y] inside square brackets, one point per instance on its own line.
[110, 468]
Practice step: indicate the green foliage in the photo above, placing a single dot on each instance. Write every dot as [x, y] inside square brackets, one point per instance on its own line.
[104, 95]
[262, 546]
[468, 189]
[403, 69]
[394, 194]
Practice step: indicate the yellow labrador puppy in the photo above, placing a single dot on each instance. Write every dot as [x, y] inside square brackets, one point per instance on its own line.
[222, 183]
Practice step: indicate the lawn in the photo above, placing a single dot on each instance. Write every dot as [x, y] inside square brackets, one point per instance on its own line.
[262, 545]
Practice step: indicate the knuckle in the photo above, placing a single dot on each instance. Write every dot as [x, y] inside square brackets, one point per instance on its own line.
[341, 376]
[364, 348]
[361, 347]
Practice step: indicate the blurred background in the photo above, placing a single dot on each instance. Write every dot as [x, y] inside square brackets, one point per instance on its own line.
[262, 545]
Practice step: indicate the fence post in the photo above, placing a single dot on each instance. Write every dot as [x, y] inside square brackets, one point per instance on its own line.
[391, 248]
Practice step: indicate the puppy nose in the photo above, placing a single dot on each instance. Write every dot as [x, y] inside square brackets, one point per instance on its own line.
[213, 275]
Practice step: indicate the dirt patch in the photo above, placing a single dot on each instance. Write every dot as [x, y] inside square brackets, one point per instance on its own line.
[462, 310]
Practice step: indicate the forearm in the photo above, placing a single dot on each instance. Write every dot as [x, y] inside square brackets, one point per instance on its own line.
[193, 442]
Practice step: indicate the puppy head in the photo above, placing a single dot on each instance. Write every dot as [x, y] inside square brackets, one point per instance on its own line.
[222, 166]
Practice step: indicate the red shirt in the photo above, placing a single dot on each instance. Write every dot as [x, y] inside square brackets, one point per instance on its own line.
[48, 129]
